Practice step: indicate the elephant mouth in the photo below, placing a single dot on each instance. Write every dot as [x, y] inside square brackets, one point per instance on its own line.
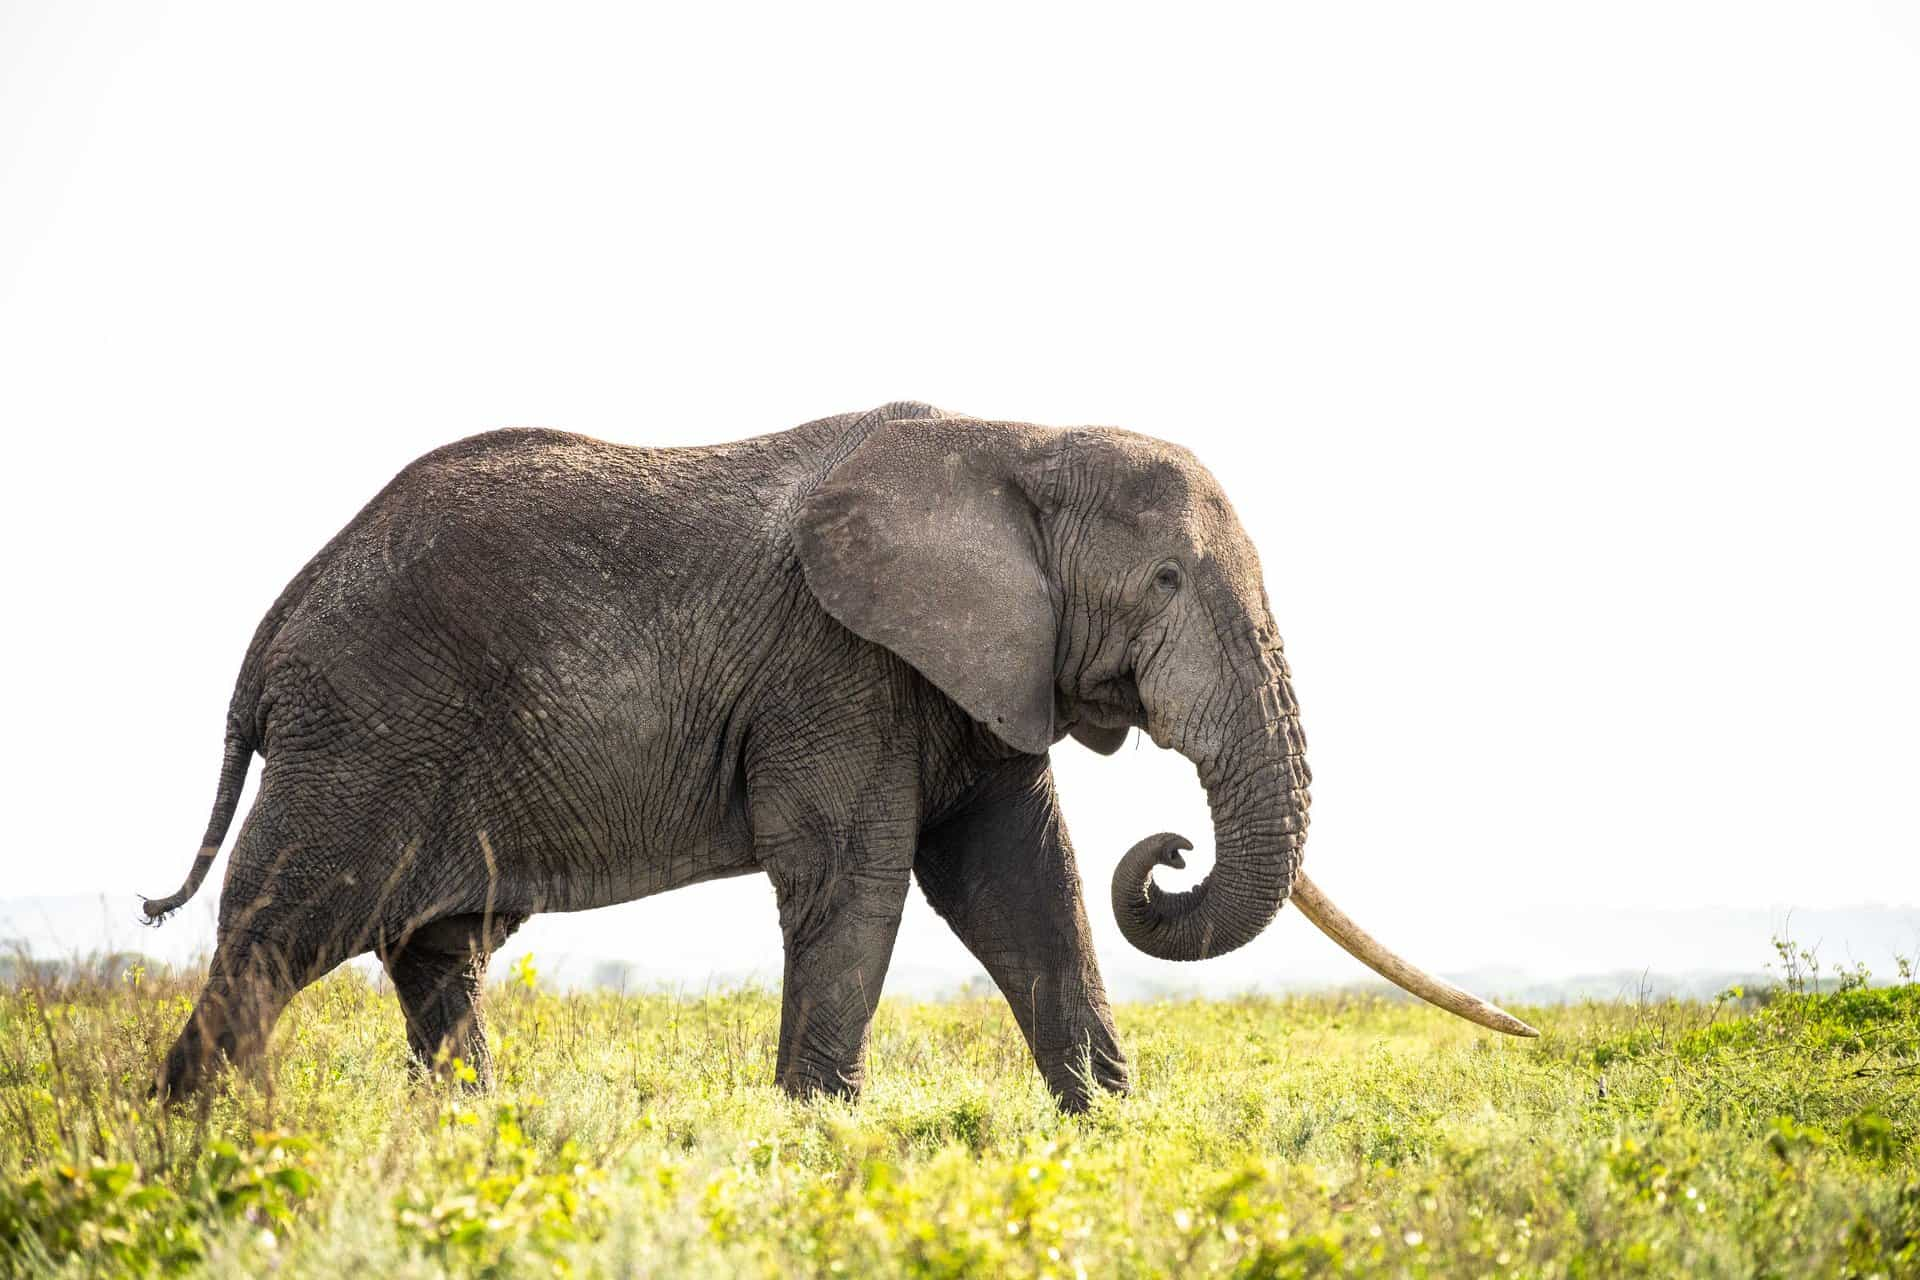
[1112, 705]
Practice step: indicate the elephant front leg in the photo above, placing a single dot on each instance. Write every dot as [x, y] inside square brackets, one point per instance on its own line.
[840, 909]
[1002, 874]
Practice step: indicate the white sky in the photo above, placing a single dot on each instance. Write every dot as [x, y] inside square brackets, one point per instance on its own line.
[1563, 363]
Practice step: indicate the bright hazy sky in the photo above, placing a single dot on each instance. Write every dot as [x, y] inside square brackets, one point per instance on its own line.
[1563, 362]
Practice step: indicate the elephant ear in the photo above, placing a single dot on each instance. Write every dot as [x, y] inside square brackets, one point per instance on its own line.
[924, 540]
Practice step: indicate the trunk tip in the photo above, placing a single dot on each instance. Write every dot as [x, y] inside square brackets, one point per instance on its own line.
[1164, 849]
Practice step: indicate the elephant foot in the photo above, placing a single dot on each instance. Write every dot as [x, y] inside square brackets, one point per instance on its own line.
[188, 1067]
[804, 1084]
[1074, 1086]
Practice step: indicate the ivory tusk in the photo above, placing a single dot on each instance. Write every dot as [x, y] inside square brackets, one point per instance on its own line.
[1359, 944]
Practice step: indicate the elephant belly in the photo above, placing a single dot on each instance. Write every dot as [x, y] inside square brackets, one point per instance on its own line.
[627, 812]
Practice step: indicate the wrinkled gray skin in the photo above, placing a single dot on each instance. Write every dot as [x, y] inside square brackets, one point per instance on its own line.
[541, 672]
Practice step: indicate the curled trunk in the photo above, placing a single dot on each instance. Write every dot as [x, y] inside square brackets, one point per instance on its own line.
[1257, 793]
[1258, 797]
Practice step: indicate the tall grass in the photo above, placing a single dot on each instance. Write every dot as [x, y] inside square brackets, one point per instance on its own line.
[1272, 1137]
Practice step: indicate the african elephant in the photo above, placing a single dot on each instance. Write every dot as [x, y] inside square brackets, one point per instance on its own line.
[541, 672]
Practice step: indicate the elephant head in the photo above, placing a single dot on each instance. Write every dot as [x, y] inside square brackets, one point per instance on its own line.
[1089, 581]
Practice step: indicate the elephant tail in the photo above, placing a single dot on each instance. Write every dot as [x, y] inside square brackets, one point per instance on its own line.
[245, 727]
[233, 776]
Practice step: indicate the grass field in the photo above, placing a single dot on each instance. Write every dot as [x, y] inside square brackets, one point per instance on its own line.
[1265, 1137]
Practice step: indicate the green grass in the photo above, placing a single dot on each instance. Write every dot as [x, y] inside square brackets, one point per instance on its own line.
[1266, 1137]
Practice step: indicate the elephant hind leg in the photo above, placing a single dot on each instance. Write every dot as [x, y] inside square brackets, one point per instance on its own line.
[249, 984]
[278, 932]
[300, 897]
[439, 972]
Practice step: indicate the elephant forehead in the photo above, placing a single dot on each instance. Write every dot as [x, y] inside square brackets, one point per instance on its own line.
[1182, 511]
[1138, 476]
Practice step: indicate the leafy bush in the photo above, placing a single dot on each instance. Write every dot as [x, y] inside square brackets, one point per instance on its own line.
[106, 1215]
[487, 1198]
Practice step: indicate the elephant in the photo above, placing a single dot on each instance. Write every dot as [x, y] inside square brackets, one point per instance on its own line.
[541, 672]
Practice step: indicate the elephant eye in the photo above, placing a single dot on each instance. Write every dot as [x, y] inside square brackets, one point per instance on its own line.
[1168, 578]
